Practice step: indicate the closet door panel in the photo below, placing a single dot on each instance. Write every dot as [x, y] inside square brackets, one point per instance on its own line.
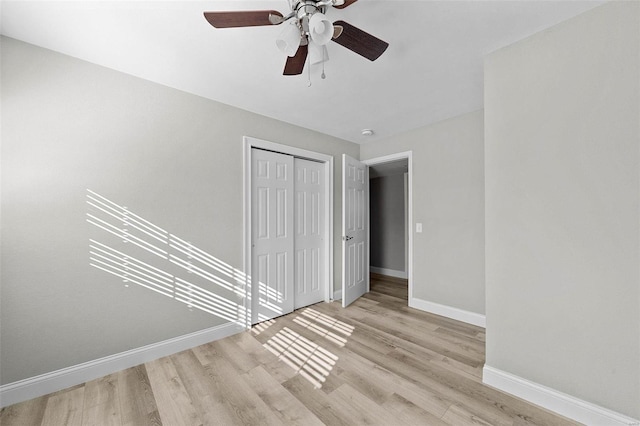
[309, 232]
[272, 194]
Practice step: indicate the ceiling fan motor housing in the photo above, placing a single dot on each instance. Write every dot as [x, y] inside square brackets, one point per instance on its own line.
[304, 11]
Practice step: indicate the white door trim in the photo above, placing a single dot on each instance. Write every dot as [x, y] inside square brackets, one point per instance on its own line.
[251, 142]
[408, 155]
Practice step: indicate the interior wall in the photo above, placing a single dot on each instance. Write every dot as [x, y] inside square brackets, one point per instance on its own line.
[171, 158]
[387, 222]
[448, 199]
[562, 117]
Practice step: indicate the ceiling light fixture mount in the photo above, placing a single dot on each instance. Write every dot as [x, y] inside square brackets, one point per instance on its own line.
[367, 132]
[308, 32]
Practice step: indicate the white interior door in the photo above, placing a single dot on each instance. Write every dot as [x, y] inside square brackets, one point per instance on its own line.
[355, 229]
[309, 232]
[272, 234]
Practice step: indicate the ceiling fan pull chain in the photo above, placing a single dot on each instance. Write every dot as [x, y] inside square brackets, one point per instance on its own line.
[323, 76]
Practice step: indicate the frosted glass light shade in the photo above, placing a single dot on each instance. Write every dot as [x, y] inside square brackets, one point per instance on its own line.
[320, 29]
[289, 40]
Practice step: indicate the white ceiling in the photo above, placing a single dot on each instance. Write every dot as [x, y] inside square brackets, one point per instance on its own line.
[431, 71]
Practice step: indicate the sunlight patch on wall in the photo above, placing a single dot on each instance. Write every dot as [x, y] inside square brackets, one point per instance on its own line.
[129, 269]
[105, 213]
[170, 257]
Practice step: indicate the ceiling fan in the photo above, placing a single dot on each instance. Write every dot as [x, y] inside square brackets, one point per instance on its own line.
[306, 32]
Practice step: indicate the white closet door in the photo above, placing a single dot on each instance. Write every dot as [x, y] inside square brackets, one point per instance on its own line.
[272, 233]
[309, 232]
[355, 228]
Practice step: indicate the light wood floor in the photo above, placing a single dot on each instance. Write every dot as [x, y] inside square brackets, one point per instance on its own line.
[376, 362]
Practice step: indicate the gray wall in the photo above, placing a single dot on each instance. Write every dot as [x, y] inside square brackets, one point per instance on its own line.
[386, 201]
[172, 158]
[562, 116]
[448, 199]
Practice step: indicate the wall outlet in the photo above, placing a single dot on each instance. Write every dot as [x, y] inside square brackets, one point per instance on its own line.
[418, 227]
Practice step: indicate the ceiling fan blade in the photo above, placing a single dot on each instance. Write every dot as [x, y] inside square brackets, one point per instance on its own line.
[345, 4]
[295, 64]
[360, 42]
[242, 18]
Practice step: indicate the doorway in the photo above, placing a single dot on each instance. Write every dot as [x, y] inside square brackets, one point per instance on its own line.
[288, 255]
[391, 245]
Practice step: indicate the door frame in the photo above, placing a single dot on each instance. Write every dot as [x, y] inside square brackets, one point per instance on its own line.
[406, 155]
[249, 143]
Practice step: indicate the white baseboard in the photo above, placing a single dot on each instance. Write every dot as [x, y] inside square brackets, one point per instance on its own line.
[448, 311]
[388, 272]
[561, 403]
[43, 384]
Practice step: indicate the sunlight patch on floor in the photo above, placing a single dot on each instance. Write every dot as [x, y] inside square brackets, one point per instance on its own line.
[311, 360]
[321, 331]
[260, 327]
[326, 320]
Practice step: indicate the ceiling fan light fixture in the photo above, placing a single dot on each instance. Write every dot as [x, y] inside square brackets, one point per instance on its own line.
[320, 29]
[289, 39]
[308, 26]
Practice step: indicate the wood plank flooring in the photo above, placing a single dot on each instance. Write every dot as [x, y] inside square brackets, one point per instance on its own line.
[378, 362]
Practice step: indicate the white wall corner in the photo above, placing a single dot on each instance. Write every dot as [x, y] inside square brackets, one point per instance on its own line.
[448, 311]
[33, 387]
[337, 295]
[551, 399]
